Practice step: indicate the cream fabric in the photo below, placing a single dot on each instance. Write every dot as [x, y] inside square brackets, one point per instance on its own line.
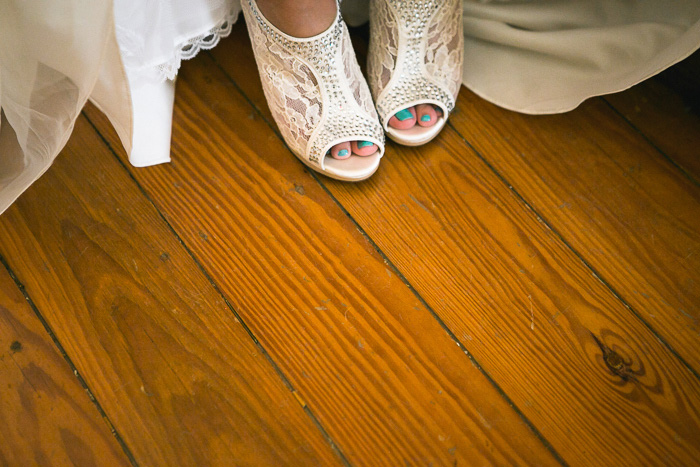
[537, 56]
[548, 56]
[52, 55]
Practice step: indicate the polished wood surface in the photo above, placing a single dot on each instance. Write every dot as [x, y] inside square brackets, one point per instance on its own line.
[523, 290]
[172, 366]
[362, 350]
[666, 112]
[620, 205]
[46, 416]
[497, 273]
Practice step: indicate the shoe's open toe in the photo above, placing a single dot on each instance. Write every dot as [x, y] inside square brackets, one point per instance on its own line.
[353, 169]
[423, 67]
[317, 94]
[418, 135]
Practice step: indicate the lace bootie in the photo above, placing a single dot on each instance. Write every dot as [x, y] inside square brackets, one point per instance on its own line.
[415, 57]
[317, 94]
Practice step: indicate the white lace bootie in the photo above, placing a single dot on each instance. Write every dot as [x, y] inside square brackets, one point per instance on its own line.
[317, 94]
[415, 57]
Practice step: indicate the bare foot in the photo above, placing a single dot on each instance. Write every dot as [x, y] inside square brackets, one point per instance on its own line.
[424, 115]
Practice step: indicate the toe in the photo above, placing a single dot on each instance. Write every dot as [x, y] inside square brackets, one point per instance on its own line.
[341, 151]
[404, 119]
[363, 148]
[426, 114]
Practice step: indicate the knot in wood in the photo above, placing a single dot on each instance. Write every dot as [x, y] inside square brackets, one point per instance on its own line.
[614, 361]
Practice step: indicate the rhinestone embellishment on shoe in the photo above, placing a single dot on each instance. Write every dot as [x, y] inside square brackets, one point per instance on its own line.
[420, 43]
[314, 87]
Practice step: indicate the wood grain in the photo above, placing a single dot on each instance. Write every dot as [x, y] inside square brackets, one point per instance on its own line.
[669, 119]
[46, 417]
[565, 350]
[383, 377]
[623, 207]
[591, 377]
[170, 364]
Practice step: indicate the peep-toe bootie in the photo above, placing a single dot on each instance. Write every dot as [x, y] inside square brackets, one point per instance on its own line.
[415, 57]
[317, 94]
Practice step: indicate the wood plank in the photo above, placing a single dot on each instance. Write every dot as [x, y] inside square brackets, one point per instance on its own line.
[572, 357]
[172, 367]
[384, 378]
[683, 79]
[661, 115]
[46, 417]
[592, 378]
[670, 119]
[627, 210]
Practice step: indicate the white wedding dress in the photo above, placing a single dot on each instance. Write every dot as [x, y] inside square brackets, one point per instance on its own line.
[537, 56]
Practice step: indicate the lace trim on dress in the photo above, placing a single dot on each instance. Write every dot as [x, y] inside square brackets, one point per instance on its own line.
[190, 48]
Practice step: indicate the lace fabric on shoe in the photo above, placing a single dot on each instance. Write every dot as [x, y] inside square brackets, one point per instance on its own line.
[415, 54]
[444, 50]
[357, 83]
[291, 89]
[313, 86]
[384, 36]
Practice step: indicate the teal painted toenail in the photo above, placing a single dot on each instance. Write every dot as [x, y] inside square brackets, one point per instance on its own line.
[343, 152]
[363, 144]
[425, 118]
[404, 114]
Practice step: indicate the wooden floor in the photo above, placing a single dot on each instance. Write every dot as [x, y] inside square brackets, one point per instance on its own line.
[523, 290]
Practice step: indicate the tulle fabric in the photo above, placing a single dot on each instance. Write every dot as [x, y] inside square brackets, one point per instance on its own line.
[53, 56]
[537, 56]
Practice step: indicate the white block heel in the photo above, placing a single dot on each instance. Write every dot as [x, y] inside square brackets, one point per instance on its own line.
[152, 106]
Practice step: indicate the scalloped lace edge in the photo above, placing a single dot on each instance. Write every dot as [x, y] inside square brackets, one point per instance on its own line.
[191, 47]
